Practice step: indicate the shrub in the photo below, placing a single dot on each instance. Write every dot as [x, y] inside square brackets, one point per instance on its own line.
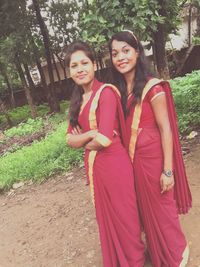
[40, 160]
[186, 93]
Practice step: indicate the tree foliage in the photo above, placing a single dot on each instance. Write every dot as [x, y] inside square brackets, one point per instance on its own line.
[102, 18]
[62, 18]
[150, 20]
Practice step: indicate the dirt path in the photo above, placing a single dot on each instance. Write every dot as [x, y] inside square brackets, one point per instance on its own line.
[53, 224]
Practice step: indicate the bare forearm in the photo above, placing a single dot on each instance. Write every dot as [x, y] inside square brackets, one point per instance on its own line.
[159, 105]
[78, 140]
[167, 145]
[93, 145]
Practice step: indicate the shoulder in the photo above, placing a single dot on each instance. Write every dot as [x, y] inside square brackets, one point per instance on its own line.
[109, 91]
[155, 91]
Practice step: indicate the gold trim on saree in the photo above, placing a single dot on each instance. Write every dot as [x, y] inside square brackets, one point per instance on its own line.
[185, 257]
[93, 107]
[156, 95]
[137, 115]
[91, 159]
[85, 102]
[102, 138]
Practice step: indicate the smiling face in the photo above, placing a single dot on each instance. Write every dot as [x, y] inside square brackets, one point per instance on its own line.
[81, 69]
[124, 57]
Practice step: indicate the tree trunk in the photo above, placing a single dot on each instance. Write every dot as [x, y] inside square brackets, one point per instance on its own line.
[55, 66]
[29, 78]
[55, 107]
[198, 22]
[182, 64]
[43, 80]
[189, 24]
[100, 60]
[44, 84]
[160, 53]
[6, 79]
[159, 44]
[154, 58]
[62, 64]
[5, 113]
[26, 88]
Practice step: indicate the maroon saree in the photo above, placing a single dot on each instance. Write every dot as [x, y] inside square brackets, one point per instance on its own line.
[111, 179]
[166, 242]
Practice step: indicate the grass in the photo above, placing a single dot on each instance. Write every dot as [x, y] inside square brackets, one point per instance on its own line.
[40, 160]
[22, 114]
[26, 128]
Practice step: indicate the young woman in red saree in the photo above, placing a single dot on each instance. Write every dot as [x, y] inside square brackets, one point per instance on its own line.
[97, 123]
[160, 180]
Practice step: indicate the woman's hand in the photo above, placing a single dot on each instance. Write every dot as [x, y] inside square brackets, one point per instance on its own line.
[76, 130]
[77, 139]
[166, 183]
[92, 133]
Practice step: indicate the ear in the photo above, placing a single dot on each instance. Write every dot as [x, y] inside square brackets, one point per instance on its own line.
[95, 66]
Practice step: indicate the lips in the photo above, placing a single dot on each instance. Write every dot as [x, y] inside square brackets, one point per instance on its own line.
[122, 64]
[82, 76]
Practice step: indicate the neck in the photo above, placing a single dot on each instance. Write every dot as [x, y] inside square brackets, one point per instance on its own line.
[88, 87]
[130, 80]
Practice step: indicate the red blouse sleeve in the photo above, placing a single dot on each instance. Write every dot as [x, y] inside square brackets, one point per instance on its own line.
[107, 114]
[155, 91]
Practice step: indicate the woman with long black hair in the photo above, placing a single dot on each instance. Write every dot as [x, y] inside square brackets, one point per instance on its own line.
[97, 124]
[154, 148]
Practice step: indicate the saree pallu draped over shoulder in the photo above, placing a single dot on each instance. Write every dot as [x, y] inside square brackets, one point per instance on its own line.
[111, 180]
[166, 243]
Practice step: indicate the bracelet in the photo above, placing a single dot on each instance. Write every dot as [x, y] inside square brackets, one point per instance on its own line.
[168, 173]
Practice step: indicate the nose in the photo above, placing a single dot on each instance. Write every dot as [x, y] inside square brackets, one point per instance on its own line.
[79, 69]
[120, 56]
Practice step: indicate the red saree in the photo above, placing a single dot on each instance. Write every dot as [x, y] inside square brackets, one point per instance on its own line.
[166, 242]
[111, 180]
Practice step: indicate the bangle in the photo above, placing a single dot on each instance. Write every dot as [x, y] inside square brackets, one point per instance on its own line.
[168, 173]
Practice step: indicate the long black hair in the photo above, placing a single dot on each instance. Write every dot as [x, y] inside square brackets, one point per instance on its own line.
[77, 95]
[142, 71]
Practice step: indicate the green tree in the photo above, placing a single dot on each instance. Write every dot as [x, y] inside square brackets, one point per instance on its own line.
[151, 20]
[14, 34]
[45, 36]
[63, 19]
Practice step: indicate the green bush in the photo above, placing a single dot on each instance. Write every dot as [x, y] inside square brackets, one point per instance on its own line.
[40, 160]
[19, 114]
[22, 114]
[26, 128]
[186, 91]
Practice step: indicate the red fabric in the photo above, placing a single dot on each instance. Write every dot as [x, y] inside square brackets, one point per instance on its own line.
[115, 199]
[107, 113]
[182, 192]
[154, 91]
[158, 212]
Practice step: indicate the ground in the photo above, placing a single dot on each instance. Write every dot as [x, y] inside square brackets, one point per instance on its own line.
[53, 224]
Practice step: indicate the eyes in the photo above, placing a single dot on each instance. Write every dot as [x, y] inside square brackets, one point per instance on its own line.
[124, 51]
[74, 65]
